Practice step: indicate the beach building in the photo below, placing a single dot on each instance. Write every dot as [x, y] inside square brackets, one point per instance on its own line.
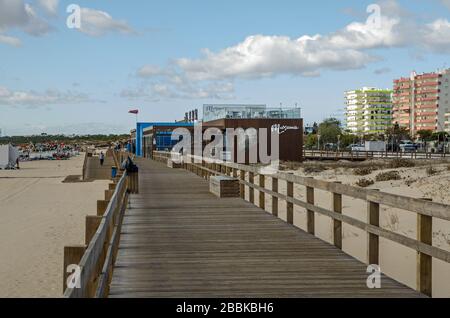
[286, 122]
[422, 101]
[368, 110]
[161, 142]
[158, 137]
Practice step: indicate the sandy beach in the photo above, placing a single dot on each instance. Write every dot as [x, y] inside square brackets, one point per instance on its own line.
[39, 215]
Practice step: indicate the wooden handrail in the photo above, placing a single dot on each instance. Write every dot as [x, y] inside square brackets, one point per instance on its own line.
[97, 262]
[425, 209]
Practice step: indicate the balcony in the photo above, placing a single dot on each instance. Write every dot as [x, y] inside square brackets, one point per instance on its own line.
[426, 113]
[428, 76]
[402, 80]
[426, 84]
[426, 121]
[428, 99]
[428, 91]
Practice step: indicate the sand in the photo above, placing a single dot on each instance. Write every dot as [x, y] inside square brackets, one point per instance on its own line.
[39, 215]
[397, 261]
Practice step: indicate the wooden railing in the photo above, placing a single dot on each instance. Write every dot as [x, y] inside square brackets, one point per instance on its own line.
[96, 259]
[362, 155]
[425, 209]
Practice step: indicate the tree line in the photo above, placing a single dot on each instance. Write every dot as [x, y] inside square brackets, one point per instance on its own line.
[330, 131]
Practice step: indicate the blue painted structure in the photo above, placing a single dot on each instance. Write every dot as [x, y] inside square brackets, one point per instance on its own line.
[143, 125]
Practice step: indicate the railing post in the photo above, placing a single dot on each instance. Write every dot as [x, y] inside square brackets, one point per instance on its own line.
[101, 207]
[92, 224]
[262, 199]
[274, 198]
[373, 218]
[337, 225]
[424, 261]
[242, 186]
[72, 256]
[310, 222]
[251, 180]
[290, 205]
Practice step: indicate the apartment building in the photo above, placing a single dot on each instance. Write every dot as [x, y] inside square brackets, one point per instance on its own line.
[447, 122]
[422, 101]
[368, 110]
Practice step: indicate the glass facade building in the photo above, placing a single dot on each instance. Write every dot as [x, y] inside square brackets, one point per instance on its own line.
[214, 112]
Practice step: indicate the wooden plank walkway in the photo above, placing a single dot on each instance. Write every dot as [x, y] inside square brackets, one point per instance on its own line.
[178, 240]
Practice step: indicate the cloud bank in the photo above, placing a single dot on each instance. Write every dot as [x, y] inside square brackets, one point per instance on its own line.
[355, 46]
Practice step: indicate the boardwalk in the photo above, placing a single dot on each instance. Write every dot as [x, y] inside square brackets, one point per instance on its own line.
[178, 240]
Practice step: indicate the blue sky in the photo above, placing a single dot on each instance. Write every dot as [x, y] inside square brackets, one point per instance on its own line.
[151, 55]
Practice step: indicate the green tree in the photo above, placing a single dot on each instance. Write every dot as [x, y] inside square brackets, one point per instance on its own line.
[439, 136]
[329, 130]
[425, 135]
[311, 141]
[346, 140]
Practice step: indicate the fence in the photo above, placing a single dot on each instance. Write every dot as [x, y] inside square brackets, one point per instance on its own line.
[364, 155]
[96, 259]
[425, 209]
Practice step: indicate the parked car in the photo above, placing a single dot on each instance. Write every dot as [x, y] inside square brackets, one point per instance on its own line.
[357, 147]
[407, 146]
[330, 146]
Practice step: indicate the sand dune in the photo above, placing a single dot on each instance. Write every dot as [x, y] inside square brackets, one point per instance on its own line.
[39, 215]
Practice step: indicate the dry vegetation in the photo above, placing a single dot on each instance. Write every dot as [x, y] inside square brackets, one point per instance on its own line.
[388, 176]
[363, 183]
[363, 171]
[431, 171]
[401, 163]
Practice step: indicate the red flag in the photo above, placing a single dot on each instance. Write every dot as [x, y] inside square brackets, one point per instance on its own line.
[134, 111]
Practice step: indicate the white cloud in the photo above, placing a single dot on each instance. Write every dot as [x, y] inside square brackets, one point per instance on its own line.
[9, 40]
[150, 71]
[98, 23]
[31, 98]
[16, 14]
[263, 56]
[436, 36]
[49, 6]
[177, 87]
[354, 46]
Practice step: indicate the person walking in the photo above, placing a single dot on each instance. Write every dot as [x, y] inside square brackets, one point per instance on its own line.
[102, 158]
